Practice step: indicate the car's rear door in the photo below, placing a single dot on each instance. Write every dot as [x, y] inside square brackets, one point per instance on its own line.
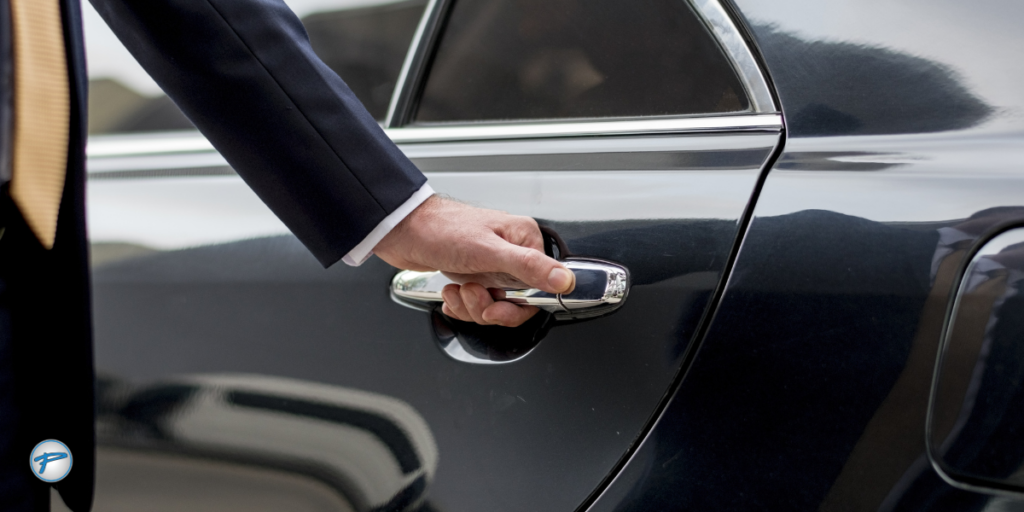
[233, 364]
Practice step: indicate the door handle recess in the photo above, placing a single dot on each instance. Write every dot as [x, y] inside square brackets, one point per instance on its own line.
[601, 287]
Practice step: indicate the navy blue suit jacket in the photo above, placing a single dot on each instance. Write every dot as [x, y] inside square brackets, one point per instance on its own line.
[244, 73]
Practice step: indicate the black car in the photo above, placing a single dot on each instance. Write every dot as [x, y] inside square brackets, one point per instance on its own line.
[797, 225]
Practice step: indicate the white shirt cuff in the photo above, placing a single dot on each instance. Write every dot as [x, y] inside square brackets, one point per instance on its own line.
[362, 252]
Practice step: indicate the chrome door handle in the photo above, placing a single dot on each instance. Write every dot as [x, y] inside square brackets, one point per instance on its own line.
[601, 287]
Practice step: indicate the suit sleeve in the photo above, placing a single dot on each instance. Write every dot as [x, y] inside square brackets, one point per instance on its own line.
[244, 73]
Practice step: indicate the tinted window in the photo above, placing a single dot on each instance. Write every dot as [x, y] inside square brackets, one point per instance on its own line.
[365, 46]
[536, 59]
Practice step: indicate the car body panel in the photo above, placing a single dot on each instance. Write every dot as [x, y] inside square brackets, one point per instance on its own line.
[811, 387]
[173, 303]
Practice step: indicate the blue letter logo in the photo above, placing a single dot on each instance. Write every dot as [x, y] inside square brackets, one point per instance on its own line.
[50, 461]
[48, 457]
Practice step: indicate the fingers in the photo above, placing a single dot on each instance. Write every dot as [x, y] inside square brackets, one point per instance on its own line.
[453, 305]
[474, 303]
[507, 314]
[534, 268]
[489, 280]
[476, 299]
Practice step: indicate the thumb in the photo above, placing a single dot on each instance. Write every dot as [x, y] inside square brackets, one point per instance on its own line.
[535, 268]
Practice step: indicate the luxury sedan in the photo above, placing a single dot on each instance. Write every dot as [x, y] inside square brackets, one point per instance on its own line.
[797, 228]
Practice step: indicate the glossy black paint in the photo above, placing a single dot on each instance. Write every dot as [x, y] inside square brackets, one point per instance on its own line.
[810, 389]
[555, 422]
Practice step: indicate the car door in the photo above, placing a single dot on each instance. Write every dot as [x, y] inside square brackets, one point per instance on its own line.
[865, 354]
[235, 366]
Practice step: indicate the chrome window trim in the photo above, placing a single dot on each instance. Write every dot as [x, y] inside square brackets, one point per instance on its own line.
[641, 126]
[658, 143]
[150, 162]
[146, 144]
[187, 142]
[183, 150]
[409, 79]
[735, 48]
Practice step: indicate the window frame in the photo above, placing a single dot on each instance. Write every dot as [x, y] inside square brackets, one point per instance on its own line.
[762, 116]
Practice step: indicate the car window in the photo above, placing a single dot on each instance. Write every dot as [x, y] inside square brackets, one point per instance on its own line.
[364, 42]
[547, 59]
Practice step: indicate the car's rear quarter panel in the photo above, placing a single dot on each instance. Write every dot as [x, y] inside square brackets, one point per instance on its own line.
[811, 387]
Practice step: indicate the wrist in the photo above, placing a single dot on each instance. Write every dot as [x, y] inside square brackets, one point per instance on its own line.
[403, 229]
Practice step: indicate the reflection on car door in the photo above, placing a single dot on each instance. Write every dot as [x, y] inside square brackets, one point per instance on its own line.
[226, 350]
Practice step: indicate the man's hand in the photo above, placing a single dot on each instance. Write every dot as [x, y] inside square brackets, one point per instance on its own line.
[484, 250]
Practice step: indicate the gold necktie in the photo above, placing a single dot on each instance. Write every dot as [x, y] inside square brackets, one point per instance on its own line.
[41, 114]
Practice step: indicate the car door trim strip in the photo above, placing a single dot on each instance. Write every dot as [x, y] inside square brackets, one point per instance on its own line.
[180, 143]
[659, 125]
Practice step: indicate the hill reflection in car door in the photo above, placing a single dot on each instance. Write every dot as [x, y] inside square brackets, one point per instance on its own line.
[243, 432]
